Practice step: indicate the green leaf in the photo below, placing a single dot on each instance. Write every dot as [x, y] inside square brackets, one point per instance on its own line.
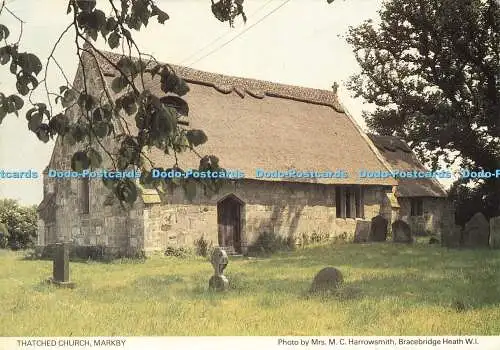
[101, 129]
[98, 115]
[155, 70]
[118, 84]
[86, 101]
[127, 34]
[3, 112]
[134, 23]
[196, 137]
[125, 65]
[80, 132]
[176, 102]
[126, 191]
[34, 64]
[17, 101]
[29, 63]
[114, 40]
[69, 97]
[169, 80]
[128, 103]
[93, 33]
[4, 32]
[161, 16]
[59, 123]
[130, 108]
[13, 67]
[181, 88]
[94, 157]
[111, 24]
[80, 161]
[100, 19]
[35, 121]
[22, 87]
[43, 133]
[86, 5]
[23, 82]
[5, 55]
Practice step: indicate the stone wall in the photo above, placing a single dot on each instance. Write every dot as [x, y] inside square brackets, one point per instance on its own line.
[106, 223]
[435, 211]
[285, 209]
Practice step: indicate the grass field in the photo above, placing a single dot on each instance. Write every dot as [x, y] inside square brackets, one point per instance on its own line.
[389, 290]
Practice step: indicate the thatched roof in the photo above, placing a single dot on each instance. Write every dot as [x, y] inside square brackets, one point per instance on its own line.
[257, 124]
[399, 155]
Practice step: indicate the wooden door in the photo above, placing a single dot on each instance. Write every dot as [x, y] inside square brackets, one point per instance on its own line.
[229, 221]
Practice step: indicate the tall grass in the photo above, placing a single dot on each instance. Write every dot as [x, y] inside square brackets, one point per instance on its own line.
[389, 290]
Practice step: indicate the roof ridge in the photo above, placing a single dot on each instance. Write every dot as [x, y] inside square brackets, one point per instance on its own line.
[226, 84]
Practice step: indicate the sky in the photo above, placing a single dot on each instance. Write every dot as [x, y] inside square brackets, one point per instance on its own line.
[297, 42]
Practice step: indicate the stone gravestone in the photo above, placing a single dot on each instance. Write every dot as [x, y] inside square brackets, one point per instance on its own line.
[328, 279]
[495, 232]
[218, 281]
[477, 232]
[378, 229]
[362, 231]
[452, 237]
[401, 232]
[60, 267]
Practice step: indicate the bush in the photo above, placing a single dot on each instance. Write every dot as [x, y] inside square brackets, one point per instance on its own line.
[93, 252]
[177, 252]
[318, 237]
[269, 243]
[342, 238]
[203, 247]
[305, 239]
[20, 222]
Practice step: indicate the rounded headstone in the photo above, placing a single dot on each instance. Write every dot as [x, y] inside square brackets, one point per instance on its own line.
[401, 232]
[328, 278]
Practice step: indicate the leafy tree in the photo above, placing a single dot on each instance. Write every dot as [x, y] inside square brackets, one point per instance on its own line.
[467, 201]
[20, 223]
[432, 68]
[4, 236]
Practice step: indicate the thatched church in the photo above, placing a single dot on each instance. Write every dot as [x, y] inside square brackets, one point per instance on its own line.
[250, 125]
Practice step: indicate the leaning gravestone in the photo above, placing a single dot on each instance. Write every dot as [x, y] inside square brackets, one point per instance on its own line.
[60, 267]
[378, 230]
[495, 232]
[401, 232]
[362, 231]
[328, 279]
[218, 281]
[477, 232]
